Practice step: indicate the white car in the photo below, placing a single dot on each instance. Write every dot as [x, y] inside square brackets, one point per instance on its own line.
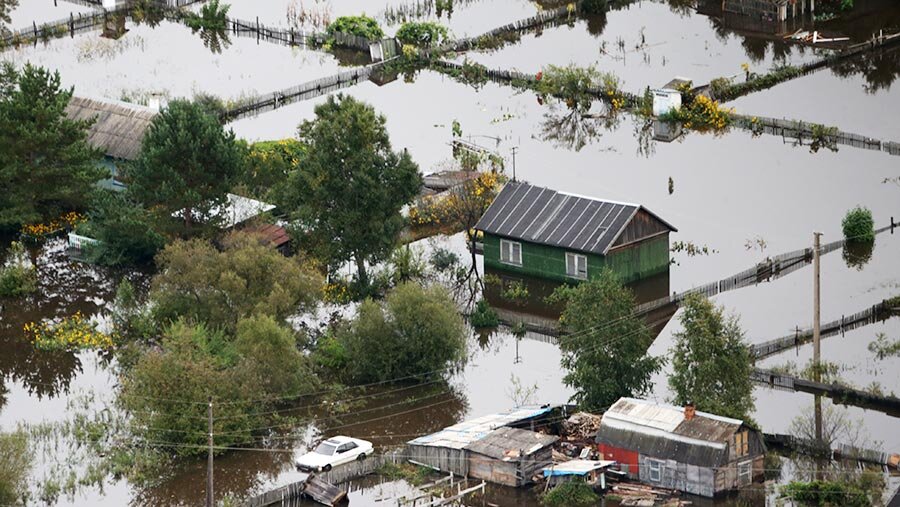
[333, 452]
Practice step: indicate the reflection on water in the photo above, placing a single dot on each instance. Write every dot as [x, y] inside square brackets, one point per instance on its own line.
[858, 254]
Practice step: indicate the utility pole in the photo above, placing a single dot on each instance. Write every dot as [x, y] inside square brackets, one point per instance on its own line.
[209, 467]
[514, 150]
[817, 367]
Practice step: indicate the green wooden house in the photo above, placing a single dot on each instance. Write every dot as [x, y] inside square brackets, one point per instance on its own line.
[118, 131]
[541, 232]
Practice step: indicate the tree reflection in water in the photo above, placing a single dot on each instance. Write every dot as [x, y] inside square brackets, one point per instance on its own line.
[575, 127]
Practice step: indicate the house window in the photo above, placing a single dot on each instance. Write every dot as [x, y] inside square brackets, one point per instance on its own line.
[745, 472]
[576, 265]
[510, 252]
[655, 470]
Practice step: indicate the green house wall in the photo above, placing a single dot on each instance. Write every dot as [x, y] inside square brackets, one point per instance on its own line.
[634, 262]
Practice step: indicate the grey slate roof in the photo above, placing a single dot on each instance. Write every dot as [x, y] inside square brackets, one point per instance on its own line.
[661, 431]
[510, 443]
[541, 215]
[119, 127]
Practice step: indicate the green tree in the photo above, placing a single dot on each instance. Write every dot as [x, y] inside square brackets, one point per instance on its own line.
[414, 331]
[123, 228]
[187, 164]
[46, 165]
[246, 278]
[266, 347]
[605, 352]
[711, 361]
[361, 26]
[422, 33]
[858, 225]
[15, 465]
[347, 195]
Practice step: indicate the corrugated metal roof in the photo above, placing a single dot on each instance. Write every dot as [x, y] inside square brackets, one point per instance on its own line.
[540, 215]
[661, 431]
[462, 434]
[509, 444]
[577, 467]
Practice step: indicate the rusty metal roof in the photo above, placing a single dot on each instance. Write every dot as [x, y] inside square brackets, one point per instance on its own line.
[509, 444]
[662, 431]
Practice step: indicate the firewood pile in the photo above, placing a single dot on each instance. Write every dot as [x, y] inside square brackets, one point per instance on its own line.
[639, 495]
[582, 426]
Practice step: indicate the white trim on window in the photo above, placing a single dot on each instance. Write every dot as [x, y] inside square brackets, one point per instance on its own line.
[576, 265]
[655, 470]
[745, 472]
[510, 252]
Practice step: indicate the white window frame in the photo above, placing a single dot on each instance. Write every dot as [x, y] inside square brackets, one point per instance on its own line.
[745, 468]
[512, 251]
[572, 267]
[655, 467]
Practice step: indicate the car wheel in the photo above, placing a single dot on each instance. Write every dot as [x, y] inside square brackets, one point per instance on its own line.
[361, 457]
[326, 468]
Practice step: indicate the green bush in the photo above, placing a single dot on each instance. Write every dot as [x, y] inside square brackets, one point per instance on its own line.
[416, 330]
[594, 6]
[848, 492]
[123, 228]
[17, 277]
[212, 17]
[484, 316]
[361, 26]
[570, 494]
[15, 465]
[422, 33]
[858, 225]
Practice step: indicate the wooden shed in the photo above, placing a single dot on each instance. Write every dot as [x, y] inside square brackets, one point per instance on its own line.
[681, 448]
[118, 130]
[510, 456]
[769, 10]
[541, 232]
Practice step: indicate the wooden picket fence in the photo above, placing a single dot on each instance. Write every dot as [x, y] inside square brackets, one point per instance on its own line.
[800, 130]
[543, 18]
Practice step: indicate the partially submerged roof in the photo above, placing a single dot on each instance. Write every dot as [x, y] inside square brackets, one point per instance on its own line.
[663, 431]
[462, 434]
[577, 467]
[541, 215]
[119, 127]
[509, 444]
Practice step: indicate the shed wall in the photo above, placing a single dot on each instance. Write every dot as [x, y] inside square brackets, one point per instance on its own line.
[680, 476]
[628, 460]
[493, 470]
[444, 459]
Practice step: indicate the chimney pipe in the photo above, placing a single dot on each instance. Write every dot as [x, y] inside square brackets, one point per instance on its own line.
[689, 411]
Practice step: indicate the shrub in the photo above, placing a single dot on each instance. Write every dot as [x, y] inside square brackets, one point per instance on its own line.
[71, 333]
[422, 33]
[361, 26]
[594, 6]
[416, 330]
[212, 17]
[576, 84]
[123, 228]
[484, 316]
[17, 277]
[858, 225]
[15, 465]
[573, 493]
[701, 114]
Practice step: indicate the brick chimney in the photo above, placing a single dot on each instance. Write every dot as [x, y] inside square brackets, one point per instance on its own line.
[689, 411]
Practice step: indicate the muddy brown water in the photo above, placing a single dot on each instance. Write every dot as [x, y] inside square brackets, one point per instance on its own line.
[745, 197]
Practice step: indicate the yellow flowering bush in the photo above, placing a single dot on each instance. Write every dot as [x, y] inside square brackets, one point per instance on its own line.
[71, 333]
[448, 210]
[702, 114]
[40, 231]
[336, 293]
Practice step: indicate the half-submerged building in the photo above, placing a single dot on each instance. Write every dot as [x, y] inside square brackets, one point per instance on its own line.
[540, 232]
[681, 448]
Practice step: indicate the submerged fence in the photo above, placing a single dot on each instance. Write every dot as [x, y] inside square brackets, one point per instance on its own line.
[866, 317]
[839, 393]
[544, 18]
[801, 130]
[305, 91]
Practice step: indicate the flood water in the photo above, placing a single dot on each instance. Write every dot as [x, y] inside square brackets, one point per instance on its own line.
[745, 197]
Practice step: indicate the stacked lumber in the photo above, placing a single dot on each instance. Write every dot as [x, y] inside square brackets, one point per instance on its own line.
[582, 426]
[639, 495]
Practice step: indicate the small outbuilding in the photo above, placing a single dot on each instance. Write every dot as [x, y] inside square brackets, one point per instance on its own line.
[681, 449]
[510, 456]
[586, 470]
[769, 10]
[540, 232]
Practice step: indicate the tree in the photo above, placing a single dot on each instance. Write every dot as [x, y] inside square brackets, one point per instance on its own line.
[15, 465]
[187, 165]
[605, 350]
[46, 165]
[347, 195]
[858, 225]
[126, 235]
[266, 347]
[414, 331]
[199, 283]
[711, 362]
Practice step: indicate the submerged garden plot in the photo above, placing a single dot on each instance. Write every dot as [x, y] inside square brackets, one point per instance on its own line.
[645, 44]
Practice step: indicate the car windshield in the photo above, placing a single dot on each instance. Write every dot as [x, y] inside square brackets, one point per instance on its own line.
[326, 449]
